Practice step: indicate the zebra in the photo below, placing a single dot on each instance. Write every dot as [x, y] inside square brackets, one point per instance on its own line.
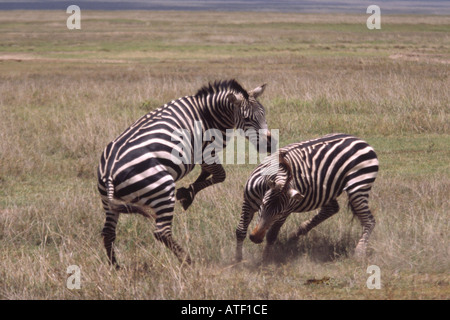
[309, 175]
[137, 171]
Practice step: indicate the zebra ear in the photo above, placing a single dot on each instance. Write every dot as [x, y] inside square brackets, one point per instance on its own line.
[255, 93]
[236, 100]
[275, 186]
[271, 184]
[295, 195]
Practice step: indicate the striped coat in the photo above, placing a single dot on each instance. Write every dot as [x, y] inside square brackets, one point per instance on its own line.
[138, 170]
[309, 175]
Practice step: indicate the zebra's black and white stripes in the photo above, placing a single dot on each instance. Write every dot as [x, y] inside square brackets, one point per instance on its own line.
[309, 175]
[137, 170]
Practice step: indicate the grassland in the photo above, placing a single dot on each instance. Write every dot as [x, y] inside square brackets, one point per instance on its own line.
[64, 94]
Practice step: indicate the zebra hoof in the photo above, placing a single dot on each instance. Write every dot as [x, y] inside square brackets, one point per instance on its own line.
[185, 197]
[360, 253]
[186, 260]
[115, 265]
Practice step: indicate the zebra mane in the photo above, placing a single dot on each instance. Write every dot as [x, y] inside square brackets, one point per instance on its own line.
[222, 85]
[285, 164]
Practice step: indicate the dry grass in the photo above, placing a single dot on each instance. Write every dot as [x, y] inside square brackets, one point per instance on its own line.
[65, 94]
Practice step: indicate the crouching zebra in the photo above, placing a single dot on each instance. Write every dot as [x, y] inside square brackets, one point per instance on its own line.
[309, 175]
[137, 170]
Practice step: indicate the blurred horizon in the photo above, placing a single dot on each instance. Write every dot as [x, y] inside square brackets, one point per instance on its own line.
[436, 7]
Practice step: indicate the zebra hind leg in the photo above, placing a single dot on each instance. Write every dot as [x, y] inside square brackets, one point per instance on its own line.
[109, 236]
[360, 208]
[324, 213]
[163, 232]
[169, 242]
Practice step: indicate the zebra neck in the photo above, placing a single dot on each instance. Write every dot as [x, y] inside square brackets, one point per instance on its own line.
[218, 112]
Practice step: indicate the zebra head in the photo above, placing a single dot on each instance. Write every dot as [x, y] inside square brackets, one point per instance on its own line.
[250, 116]
[277, 200]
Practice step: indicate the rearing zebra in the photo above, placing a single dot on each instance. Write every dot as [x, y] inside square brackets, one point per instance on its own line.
[309, 175]
[137, 170]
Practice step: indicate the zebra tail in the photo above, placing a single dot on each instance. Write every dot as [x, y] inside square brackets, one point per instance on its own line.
[120, 207]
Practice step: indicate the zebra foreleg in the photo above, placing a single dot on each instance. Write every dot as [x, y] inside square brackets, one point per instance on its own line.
[241, 230]
[271, 237]
[187, 195]
[360, 208]
[324, 213]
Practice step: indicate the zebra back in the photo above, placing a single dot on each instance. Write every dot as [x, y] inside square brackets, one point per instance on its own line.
[321, 169]
[148, 146]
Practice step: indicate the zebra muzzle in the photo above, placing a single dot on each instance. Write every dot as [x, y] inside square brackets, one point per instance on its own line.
[258, 234]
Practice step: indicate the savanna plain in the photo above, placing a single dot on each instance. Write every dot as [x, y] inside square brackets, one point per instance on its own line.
[64, 94]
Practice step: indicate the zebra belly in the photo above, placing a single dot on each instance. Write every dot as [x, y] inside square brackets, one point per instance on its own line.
[310, 202]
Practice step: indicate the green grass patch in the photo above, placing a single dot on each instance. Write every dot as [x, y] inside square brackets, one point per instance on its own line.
[65, 94]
